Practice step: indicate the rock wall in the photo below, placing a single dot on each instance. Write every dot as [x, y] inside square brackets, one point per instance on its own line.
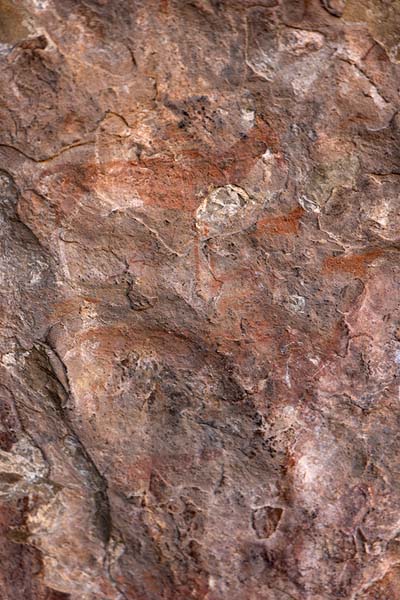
[199, 300]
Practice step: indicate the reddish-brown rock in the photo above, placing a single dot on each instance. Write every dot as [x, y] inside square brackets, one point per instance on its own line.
[200, 338]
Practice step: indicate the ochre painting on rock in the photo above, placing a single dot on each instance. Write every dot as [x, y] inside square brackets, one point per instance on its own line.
[199, 299]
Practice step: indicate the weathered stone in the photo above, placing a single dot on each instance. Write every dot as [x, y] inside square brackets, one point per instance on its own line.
[199, 341]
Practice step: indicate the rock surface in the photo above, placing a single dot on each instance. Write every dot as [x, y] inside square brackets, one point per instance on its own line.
[200, 339]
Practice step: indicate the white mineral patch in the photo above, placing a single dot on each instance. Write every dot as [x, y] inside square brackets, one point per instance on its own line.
[308, 204]
[225, 210]
[8, 359]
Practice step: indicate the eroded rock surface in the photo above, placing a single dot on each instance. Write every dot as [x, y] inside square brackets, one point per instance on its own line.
[200, 339]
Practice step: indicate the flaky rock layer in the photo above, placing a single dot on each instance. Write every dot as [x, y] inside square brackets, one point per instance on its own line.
[199, 340]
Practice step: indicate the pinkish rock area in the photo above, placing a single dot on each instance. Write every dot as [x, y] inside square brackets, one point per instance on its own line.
[199, 300]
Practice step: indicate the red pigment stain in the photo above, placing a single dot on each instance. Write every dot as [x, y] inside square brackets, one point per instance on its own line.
[283, 224]
[164, 6]
[163, 181]
[355, 264]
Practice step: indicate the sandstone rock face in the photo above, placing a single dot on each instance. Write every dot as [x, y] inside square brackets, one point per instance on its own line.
[200, 339]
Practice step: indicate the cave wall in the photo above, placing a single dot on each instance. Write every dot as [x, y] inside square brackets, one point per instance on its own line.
[199, 300]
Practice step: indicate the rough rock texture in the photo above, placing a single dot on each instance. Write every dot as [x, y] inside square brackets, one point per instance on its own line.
[199, 339]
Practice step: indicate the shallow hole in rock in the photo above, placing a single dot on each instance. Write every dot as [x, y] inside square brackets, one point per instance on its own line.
[265, 520]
